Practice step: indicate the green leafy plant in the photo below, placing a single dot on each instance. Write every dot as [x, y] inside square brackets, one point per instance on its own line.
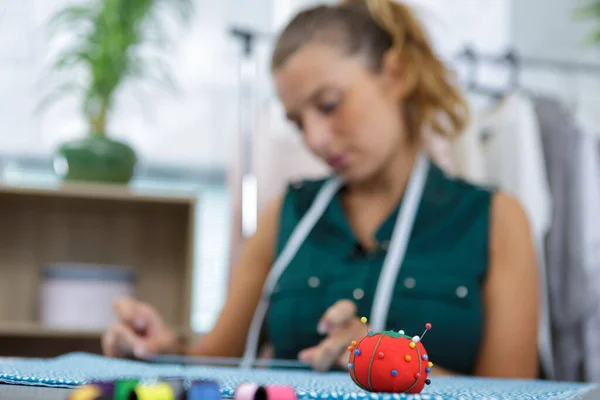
[110, 46]
[591, 11]
[110, 43]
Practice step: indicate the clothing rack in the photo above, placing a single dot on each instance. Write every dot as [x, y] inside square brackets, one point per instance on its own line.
[518, 61]
[474, 60]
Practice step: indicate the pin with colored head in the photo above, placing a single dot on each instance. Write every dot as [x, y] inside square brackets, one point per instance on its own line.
[364, 321]
[352, 346]
[427, 327]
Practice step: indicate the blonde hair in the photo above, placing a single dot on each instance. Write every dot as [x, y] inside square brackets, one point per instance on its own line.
[371, 28]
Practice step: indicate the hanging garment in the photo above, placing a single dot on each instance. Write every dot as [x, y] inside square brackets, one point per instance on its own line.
[468, 152]
[589, 191]
[573, 242]
[514, 163]
[568, 294]
[589, 196]
[514, 157]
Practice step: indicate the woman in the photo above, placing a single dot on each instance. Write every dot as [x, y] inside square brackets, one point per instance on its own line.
[395, 239]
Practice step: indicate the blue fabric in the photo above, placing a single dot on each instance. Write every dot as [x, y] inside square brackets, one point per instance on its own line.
[75, 369]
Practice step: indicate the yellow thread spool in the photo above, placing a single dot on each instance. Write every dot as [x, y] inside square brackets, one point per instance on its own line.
[87, 392]
[158, 391]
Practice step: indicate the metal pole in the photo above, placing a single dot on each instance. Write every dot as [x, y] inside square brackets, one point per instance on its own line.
[248, 74]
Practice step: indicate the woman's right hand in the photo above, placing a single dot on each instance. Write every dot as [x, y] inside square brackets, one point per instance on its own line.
[140, 331]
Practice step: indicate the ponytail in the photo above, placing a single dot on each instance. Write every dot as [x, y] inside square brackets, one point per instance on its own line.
[432, 101]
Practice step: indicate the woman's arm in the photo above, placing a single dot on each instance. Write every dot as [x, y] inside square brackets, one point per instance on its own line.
[511, 296]
[228, 337]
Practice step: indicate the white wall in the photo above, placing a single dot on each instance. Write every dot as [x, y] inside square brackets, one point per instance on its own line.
[550, 29]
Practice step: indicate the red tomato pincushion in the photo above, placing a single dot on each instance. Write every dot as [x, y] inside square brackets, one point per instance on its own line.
[390, 362]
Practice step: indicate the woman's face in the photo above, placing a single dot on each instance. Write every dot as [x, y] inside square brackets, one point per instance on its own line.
[349, 116]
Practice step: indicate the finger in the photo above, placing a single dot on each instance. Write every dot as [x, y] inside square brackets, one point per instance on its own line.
[327, 353]
[337, 316]
[119, 340]
[148, 318]
[132, 312]
[125, 308]
[307, 355]
[334, 349]
[108, 342]
[127, 342]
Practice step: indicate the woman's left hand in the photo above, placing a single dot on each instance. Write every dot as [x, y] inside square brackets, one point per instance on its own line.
[342, 326]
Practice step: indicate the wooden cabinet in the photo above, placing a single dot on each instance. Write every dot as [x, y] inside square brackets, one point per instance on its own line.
[151, 232]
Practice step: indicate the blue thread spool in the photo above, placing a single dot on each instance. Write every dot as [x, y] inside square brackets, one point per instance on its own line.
[204, 390]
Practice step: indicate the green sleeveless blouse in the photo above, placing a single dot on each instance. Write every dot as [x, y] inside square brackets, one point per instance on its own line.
[439, 281]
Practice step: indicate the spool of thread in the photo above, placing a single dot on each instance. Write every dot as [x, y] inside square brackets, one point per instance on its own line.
[280, 392]
[87, 392]
[124, 389]
[204, 390]
[107, 388]
[252, 391]
[153, 391]
[249, 391]
[178, 387]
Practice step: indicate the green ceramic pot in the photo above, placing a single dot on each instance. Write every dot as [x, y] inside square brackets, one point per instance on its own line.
[96, 158]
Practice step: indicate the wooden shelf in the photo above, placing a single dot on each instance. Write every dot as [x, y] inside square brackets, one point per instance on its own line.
[149, 231]
[104, 191]
[36, 330]
[24, 329]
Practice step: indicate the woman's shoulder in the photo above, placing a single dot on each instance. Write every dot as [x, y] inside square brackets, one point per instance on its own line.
[466, 187]
[307, 186]
[503, 208]
[509, 218]
[449, 192]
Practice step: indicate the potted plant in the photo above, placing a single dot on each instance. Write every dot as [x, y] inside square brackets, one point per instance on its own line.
[110, 40]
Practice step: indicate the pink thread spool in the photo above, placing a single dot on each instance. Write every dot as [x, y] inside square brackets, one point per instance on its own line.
[280, 392]
[252, 391]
